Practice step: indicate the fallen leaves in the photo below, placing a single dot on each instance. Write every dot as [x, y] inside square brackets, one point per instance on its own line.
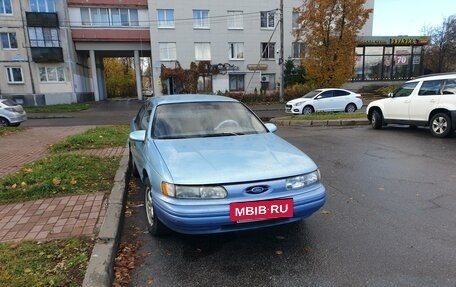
[126, 260]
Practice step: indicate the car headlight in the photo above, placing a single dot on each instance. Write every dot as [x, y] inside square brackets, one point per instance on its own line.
[299, 104]
[193, 191]
[300, 181]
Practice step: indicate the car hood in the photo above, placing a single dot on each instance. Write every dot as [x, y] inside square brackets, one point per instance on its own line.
[231, 159]
[298, 100]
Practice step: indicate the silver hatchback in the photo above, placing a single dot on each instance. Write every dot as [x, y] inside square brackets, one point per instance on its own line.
[11, 113]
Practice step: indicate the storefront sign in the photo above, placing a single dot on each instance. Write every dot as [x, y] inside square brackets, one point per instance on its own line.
[396, 41]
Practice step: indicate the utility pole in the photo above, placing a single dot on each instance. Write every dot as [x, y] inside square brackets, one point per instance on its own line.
[281, 62]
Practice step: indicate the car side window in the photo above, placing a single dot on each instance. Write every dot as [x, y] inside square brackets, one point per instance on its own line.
[450, 87]
[405, 90]
[338, 93]
[325, 95]
[430, 88]
[139, 116]
[145, 119]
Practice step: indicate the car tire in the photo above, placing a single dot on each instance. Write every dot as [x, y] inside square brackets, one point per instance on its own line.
[350, 108]
[4, 122]
[307, 110]
[441, 125]
[376, 120]
[154, 225]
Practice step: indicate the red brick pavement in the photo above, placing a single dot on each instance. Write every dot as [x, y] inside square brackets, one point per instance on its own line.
[53, 218]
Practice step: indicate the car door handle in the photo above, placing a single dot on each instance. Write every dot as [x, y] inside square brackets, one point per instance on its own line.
[433, 101]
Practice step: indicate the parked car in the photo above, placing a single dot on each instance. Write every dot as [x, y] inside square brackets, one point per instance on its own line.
[325, 100]
[11, 113]
[210, 165]
[425, 101]
[148, 92]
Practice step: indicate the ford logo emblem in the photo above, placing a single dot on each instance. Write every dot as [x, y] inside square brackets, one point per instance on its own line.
[257, 189]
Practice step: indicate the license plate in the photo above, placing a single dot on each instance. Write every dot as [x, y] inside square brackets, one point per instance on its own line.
[261, 210]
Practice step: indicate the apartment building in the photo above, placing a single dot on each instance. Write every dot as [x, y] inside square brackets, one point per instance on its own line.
[240, 38]
[52, 51]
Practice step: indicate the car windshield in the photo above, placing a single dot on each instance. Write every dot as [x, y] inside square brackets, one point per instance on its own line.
[204, 119]
[311, 94]
[405, 90]
[9, 102]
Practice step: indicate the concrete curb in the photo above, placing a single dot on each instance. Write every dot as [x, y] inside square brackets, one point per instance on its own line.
[319, 123]
[101, 265]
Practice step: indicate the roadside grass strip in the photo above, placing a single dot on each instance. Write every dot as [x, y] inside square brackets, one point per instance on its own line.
[53, 263]
[328, 116]
[58, 175]
[4, 131]
[98, 137]
[61, 108]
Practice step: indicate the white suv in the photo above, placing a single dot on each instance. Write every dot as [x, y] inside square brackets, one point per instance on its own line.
[425, 101]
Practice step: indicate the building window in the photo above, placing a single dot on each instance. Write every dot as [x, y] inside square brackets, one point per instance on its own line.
[235, 20]
[165, 18]
[109, 17]
[5, 7]
[267, 19]
[237, 82]
[44, 37]
[204, 84]
[202, 51]
[267, 50]
[42, 5]
[167, 51]
[8, 41]
[201, 19]
[236, 51]
[14, 75]
[294, 20]
[52, 74]
[298, 50]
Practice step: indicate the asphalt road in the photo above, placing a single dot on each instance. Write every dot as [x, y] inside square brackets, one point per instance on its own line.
[389, 221]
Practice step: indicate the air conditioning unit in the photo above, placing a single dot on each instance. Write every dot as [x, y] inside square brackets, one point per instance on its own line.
[265, 78]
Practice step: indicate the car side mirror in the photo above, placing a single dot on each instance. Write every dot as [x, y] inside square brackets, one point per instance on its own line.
[271, 127]
[390, 95]
[138, 136]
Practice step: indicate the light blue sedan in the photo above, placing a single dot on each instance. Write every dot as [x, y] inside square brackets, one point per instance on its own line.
[210, 165]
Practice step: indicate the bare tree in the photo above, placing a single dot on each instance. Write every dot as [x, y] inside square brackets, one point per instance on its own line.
[440, 54]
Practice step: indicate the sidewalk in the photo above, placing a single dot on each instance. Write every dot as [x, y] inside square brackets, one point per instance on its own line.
[53, 218]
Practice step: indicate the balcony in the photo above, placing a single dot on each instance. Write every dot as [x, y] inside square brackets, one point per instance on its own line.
[42, 19]
[47, 54]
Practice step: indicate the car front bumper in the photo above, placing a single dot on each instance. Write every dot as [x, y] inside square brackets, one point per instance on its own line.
[215, 218]
[17, 118]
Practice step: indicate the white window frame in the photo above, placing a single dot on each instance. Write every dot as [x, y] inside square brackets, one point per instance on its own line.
[268, 15]
[168, 21]
[294, 18]
[240, 84]
[52, 74]
[42, 5]
[201, 19]
[115, 17]
[167, 51]
[8, 36]
[44, 37]
[3, 7]
[236, 50]
[10, 75]
[235, 20]
[202, 51]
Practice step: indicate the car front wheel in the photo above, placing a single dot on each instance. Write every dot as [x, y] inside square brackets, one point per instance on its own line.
[307, 110]
[154, 225]
[376, 120]
[4, 122]
[441, 125]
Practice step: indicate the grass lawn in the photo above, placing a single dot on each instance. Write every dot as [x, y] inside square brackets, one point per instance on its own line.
[54, 263]
[4, 131]
[62, 108]
[328, 116]
[57, 262]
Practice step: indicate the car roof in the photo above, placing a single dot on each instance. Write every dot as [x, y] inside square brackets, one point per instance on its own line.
[332, 89]
[440, 76]
[189, 98]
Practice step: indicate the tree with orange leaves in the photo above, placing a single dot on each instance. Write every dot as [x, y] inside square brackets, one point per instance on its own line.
[329, 29]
